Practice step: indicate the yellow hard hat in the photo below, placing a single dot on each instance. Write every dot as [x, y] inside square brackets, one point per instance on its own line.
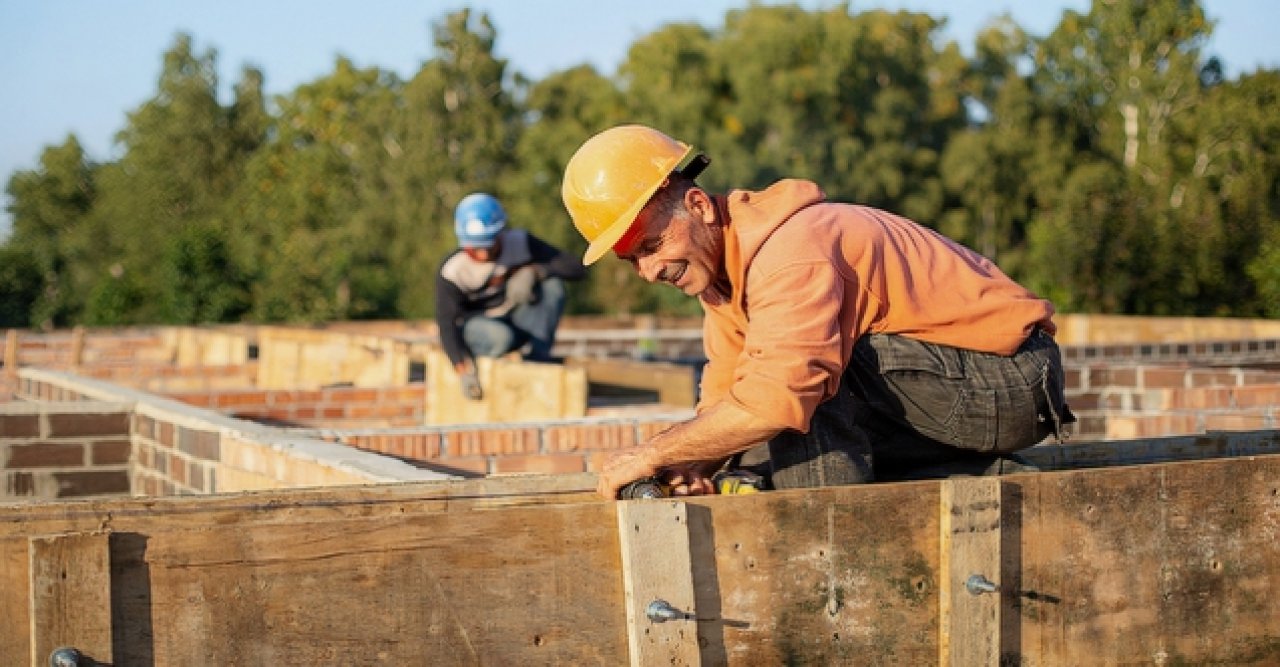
[612, 176]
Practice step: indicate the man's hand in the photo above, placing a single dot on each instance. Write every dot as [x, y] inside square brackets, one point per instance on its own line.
[519, 290]
[691, 480]
[470, 382]
[621, 469]
[520, 285]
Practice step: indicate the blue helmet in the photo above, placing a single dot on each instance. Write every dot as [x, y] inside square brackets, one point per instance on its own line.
[478, 219]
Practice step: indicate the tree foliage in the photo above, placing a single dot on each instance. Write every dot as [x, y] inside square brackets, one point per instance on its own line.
[1108, 165]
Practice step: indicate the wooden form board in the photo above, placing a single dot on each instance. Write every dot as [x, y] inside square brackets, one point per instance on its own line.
[517, 586]
[514, 391]
[675, 384]
[969, 559]
[657, 571]
[1173, 563]
[70, 588]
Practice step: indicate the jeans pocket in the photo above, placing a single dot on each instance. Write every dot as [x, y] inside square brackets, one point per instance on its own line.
[923, 386]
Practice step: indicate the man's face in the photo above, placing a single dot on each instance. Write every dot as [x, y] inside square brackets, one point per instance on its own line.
[482, 254]
[682, 250]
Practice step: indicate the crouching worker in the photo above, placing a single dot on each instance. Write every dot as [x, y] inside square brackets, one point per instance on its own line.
[501, 291]
[858, 344]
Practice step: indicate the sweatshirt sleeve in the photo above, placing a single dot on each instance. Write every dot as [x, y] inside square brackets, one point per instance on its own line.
[558, 264]
[449, 301]
[792, 356]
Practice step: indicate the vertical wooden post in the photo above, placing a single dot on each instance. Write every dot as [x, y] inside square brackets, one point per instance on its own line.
[656, 566]
[70, 595]
[11, 353]
[969, 627]
[77, 347]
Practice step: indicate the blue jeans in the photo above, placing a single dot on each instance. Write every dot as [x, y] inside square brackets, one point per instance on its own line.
[533, 324]
[913, 410]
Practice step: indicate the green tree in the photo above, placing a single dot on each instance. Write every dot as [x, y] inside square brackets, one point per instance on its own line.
[456, 134]
[566, 107]
[48, 211]
[304, 224]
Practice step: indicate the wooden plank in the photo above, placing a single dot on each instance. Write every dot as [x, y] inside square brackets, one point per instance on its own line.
[517, 586]
[656, 570]
[295, 505]
[833, 576]
[1165, 564]
[1203, 446]
[15, 598]
[969, 564]
[675, 384]
[70, 584]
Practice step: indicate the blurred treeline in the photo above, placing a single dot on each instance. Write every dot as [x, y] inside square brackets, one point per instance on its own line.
[1109, 165]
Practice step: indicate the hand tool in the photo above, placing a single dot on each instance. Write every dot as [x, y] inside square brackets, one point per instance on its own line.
[726, 482]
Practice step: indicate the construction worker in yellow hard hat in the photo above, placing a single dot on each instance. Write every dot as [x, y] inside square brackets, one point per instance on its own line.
[858, 344]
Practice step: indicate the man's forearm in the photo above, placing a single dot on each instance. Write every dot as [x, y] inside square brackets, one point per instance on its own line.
[715, 434]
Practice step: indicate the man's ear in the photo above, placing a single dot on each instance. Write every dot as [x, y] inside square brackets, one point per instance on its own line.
[698, 203]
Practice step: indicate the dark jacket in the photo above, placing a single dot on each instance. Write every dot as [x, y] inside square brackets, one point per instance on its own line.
[462, 283]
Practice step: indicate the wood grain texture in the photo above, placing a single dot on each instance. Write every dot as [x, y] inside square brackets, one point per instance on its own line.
[969, 546]
[830, 576]
[516, 586]
[654, 539]
[1163, 564]
[70, 585]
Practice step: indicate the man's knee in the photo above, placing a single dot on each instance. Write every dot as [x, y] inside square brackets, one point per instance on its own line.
[552, 290]
[488, 338]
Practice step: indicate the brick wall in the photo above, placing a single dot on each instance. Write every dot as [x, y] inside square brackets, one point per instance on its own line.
[182, 449]
[167, 378]
[1121, 401]
[64, 450]
[562, 446]
[330, 407]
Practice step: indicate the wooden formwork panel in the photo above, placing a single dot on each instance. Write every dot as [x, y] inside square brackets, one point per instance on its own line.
[514, 391]
[1172, 563]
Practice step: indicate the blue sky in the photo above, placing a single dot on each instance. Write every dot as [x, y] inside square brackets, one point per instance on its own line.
[78, 66]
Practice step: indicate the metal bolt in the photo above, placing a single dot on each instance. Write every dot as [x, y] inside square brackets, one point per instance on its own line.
[661, 611]
[65, 656]
[977, 584]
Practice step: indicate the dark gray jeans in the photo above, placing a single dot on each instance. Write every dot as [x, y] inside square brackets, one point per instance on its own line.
[913, 410]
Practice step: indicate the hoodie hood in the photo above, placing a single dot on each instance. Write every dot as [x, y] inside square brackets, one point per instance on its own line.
[751, 218]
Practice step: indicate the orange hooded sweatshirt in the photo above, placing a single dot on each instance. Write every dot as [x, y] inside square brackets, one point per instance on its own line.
[809, 277]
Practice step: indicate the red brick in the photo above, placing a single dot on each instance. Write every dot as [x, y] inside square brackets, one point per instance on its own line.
[144, 426]
[361, 395]
[1200, 377]
[548, 464]
[1157, 378]
[78, 424]
[1257, 396]
[19, 426]
[589, 437]
[46, 455]
[464, 464]
[106, 452]
[1253, 422]
[178, 471]
[164, 433]
[1084, 401]
[20, 484]
[92, 483]
[491, 441]
[198, 400]
[205, 445]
